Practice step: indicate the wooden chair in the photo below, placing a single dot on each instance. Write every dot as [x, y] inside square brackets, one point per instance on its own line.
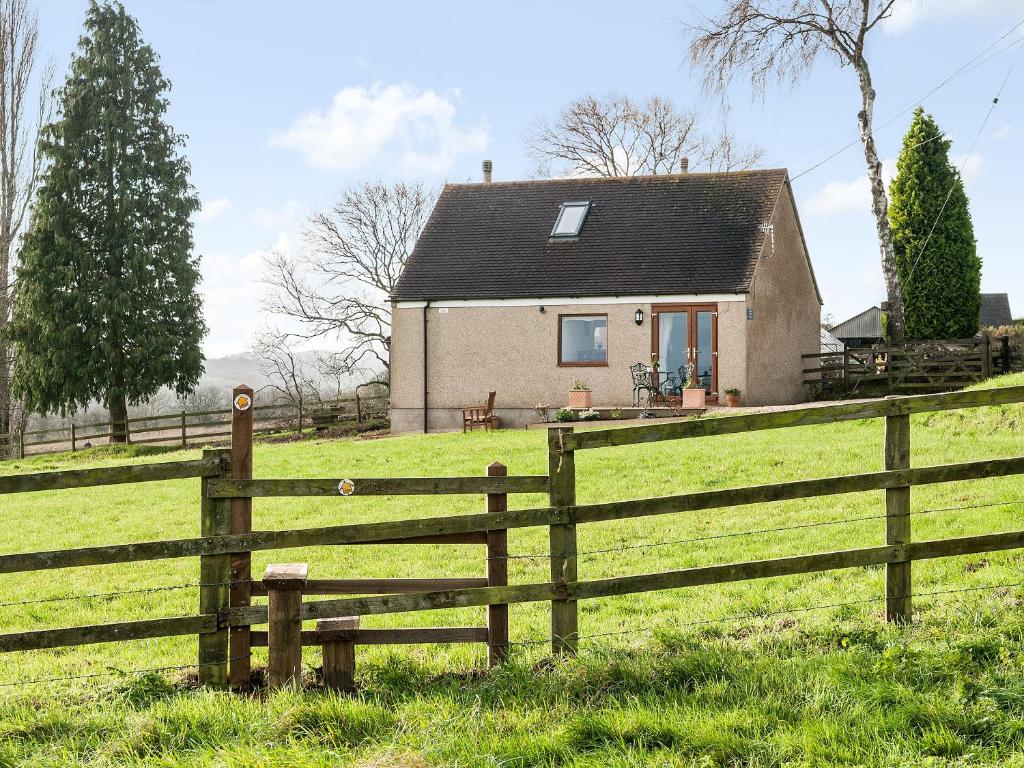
[480, 415]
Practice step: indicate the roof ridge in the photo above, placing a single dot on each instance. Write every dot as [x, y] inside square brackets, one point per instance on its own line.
[651, 177]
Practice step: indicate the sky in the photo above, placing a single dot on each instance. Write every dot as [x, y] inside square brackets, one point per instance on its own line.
[285, 105]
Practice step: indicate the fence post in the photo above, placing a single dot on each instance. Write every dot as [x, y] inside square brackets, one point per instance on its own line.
[497, 573]
[339, 652]
[897, 517]
[184, 430]
[562, 542]
[21, 443]
[846, 364]
[241, 522]
[1004, 354]
[214, 578]
[285, 584]
[986, 356]
[74, 447]
[299, 430]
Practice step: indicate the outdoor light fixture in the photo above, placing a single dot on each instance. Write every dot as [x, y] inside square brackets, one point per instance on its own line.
[542, 310]
[639, 317]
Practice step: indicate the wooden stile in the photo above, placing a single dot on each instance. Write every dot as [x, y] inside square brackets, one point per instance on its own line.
[214, 578]
[497, 573]
[339, 653]
[897, 519]
[562, 542]
[284, 585]
[241, 523]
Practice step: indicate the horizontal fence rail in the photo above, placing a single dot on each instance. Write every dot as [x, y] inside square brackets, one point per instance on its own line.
[84, 478]
[796, 417]
[393, 531]
[381, 486]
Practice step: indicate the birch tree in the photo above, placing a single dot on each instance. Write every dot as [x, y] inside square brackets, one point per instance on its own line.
[25, 106]
[778, 41]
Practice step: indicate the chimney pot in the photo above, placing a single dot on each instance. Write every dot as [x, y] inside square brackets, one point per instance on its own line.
[488, 167]
[684, 165]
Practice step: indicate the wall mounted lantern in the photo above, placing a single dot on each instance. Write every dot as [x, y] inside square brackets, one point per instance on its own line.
[638, 318]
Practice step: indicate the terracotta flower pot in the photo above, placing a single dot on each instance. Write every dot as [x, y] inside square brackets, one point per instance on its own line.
[732, 401]
[693, 398]
[581, 398]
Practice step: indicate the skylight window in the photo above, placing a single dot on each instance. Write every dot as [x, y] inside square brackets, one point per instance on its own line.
[570, 219]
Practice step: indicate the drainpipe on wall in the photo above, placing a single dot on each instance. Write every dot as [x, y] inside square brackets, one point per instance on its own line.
[426, 413]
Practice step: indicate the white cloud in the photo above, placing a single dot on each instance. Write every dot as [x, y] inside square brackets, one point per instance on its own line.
[1004, 131]
[909, 14]
[231, 291]
[416, 128]
[969, 167]
[215, 208]
[275, 218]
[848, 196]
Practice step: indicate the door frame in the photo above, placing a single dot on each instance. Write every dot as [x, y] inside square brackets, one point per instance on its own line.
[691, 330]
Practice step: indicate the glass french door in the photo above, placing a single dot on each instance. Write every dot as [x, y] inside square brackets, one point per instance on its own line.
[683, 335]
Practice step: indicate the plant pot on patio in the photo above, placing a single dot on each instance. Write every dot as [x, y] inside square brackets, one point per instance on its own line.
[581, 398]
[732, 397]
[693, 397]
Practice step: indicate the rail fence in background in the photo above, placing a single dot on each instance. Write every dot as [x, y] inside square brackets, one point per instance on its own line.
[909, 368]
[227, 613]
[191, 428]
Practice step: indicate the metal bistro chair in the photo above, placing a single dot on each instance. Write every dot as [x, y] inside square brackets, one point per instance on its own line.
[641, 383]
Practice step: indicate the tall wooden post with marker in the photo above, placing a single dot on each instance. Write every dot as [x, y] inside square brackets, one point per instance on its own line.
[562, 542]
[241, 522]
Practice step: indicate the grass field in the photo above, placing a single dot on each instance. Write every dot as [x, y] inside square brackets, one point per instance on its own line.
[792, 683]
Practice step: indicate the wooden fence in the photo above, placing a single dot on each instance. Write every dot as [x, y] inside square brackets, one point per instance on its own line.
[190, 428]
[226, 613]
[913, 367]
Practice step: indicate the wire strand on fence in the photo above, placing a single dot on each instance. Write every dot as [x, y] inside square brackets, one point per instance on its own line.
[122, 672]
[142, 591]
[779, 612]
[756, 531]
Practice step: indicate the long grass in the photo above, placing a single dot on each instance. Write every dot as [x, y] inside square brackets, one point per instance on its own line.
[808, 674]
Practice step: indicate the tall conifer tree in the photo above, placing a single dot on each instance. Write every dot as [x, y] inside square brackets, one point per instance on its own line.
[936, 253]
[107, 306]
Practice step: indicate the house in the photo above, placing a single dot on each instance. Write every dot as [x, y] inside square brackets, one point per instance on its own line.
[524, 287]
[865, 329]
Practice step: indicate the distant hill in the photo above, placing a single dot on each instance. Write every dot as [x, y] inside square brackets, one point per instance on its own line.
[228, 372]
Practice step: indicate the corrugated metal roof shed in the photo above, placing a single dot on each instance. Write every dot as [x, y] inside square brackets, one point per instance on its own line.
[866, 325]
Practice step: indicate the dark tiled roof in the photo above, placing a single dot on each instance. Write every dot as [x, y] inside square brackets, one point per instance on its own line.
[671, 234]
[995, 310]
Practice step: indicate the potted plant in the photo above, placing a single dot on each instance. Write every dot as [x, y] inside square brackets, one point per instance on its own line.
[693, 392]
[590, 415]
[655, 364]
[732, 396]
[580, 396]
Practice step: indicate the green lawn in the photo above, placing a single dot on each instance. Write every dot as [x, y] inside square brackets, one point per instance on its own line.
[791, 687]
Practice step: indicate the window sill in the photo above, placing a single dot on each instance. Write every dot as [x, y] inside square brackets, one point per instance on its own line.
[582, 365]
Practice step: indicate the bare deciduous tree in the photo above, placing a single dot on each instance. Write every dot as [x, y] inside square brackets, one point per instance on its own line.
[779, 41]
[291, 374]
[339, 286]
[23, 111]
[615, 136]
